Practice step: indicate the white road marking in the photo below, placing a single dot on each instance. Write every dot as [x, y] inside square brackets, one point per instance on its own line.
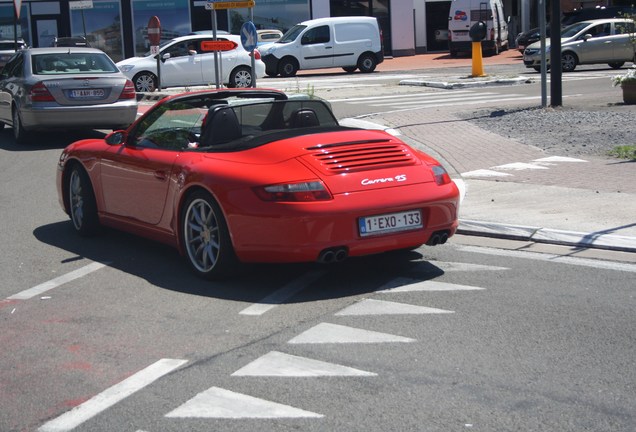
[54, 283]
[280, 296]
[334, 333]
[584, 262]
[279, 364]
[380, 307]
[459, 266]
[484, 173]
[520, 166]
[559, 159]
[400, 97]
[408, 285]
[83, 412]
[220, 403]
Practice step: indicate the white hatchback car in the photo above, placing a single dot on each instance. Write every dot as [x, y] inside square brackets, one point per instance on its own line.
[188, 61]
[589, 42]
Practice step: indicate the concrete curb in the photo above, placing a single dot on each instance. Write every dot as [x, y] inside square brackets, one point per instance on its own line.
[468, 81]
[598, 240]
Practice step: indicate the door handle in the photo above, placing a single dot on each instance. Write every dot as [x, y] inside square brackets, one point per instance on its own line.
[160, 175]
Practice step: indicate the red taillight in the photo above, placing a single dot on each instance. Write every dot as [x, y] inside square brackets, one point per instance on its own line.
[39, 93]
[492, 34]
[129, 91]
[294, 192]
[440, 174]
[257, 54]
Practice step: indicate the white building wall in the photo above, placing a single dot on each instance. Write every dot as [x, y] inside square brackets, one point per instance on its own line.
[402, 27]
[419, 7]
[320, 9]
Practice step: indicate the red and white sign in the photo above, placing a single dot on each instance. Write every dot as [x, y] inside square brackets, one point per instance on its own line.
[18, 6]
[154, 31]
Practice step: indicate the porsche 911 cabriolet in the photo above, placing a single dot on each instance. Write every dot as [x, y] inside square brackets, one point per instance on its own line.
[231, 176]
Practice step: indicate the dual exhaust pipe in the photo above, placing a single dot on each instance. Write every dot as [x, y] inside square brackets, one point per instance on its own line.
[333, 255]
[438, 238]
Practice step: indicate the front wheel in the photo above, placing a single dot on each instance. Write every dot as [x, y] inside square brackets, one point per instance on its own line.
[367, 63]
[145, 82]
[81, 203]
[206, 237]
[568, 61]
[241, 77]
[287, 67]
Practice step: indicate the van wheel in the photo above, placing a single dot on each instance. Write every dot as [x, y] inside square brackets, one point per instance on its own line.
[287, 67]
[568, 61]
[350, 69]
[616, 65]
[367, 63]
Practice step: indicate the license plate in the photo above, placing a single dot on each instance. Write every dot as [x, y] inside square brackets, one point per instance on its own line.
[391, 222]
[87, 93]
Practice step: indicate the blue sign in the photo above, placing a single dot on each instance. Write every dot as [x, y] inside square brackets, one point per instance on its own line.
[249, 38]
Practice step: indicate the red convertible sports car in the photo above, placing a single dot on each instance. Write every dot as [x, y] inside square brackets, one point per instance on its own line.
[254, 175]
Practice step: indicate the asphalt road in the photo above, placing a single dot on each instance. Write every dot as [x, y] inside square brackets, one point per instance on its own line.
[115, 334]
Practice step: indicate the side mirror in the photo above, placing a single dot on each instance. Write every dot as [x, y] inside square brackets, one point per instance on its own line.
[116, 137]
[587, 36]
[165, 57]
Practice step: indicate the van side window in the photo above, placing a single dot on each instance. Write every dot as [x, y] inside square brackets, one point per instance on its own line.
[316, 35]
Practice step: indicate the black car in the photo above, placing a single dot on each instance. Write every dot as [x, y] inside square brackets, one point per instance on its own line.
[531, 36]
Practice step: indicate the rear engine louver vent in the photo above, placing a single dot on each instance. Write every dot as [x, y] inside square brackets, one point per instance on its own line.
[361, 155]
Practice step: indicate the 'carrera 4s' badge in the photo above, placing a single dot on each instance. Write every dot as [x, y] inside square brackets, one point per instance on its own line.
[397, 178]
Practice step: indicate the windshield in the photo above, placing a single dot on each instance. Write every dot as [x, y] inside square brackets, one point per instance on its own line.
[573, 29]
[292, 33]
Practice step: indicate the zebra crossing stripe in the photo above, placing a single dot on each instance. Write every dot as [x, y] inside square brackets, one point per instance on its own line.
[220, 403]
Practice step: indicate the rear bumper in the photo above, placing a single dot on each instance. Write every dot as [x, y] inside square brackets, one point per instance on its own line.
[93, 116]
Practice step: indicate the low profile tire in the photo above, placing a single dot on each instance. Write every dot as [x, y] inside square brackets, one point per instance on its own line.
[350, 69]
[367, 63]
[616, 65]
[206, 238]
[568, 61]
[20, 135]
[81, 202]
[145, 82]
[287, 67]
[241, 77]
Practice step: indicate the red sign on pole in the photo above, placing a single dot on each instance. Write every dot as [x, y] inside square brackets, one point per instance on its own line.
[154, 31]
[218, 45]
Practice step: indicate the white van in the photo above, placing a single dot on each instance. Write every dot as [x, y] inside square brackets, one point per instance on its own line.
[347, 42]
[464, 14]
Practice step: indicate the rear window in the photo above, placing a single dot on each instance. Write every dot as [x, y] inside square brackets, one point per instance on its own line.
[71, 63]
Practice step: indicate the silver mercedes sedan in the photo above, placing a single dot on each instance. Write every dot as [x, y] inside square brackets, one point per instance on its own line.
[71, 88]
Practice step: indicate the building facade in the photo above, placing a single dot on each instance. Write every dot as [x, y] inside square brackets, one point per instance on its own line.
[118, 27]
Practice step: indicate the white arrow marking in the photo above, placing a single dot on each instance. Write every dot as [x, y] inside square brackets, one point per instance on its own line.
[559, 159]
[454, 266]
[520, 166]
[333, 333]
[380, 307]
[280, 364]
[484, 173]
[220, 403]
[406, 284]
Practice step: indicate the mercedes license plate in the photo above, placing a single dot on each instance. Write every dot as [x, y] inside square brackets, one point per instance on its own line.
[391, 222]
[87, 93]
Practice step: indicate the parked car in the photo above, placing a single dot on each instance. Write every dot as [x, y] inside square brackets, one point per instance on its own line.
[8, 48]
[531, 36]
[252, 175]
[589, 42]
[186, 61]
[268, 35]
[48, 88]
[347, 42]
[464, 14]
[525, 39]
